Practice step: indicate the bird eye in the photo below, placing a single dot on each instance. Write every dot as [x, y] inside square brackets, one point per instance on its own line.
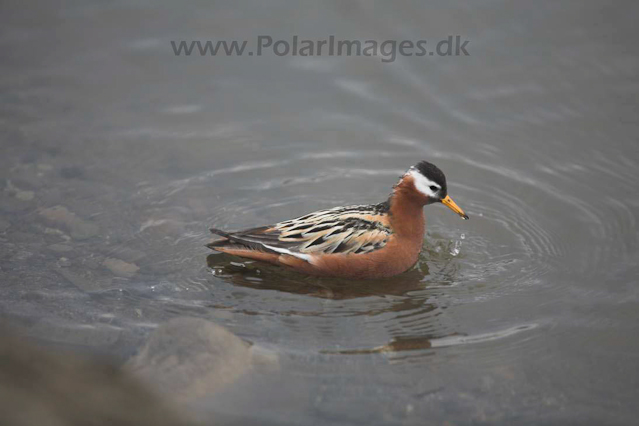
[433, 188]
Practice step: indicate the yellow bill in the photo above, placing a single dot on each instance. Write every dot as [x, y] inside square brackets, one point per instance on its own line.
[448, 202]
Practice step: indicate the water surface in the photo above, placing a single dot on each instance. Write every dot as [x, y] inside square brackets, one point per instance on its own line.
[117, 156]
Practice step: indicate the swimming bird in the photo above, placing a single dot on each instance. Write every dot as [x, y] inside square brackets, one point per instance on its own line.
[360, 242]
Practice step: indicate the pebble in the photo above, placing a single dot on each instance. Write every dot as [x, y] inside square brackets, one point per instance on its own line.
[25, 195]
[44, 167]
[20, 194]
[60, 248]
[64, 262]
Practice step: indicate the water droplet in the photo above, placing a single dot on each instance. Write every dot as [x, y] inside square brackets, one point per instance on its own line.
[456, 248]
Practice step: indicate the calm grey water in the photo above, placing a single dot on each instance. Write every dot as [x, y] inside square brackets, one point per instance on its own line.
[117, 156]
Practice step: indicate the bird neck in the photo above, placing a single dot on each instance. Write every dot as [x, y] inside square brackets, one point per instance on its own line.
[406, 211]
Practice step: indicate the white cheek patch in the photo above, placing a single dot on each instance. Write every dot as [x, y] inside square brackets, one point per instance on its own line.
[423, 184]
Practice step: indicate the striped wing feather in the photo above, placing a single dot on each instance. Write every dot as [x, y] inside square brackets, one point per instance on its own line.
[353, 229]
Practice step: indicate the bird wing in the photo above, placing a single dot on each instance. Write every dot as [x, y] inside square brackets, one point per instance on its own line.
[352, 229]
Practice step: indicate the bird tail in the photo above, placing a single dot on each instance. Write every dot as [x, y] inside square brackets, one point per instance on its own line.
[232, 241]
[219, 243]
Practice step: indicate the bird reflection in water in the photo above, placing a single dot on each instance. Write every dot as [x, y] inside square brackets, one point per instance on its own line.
[409, 295]
[262, 276]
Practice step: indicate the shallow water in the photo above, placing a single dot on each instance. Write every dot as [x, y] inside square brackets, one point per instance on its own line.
[527, 312]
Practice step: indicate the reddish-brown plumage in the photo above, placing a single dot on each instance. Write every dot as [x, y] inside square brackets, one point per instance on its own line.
[251, 254]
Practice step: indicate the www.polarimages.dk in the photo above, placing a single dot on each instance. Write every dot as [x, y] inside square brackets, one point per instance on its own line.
[388, 50]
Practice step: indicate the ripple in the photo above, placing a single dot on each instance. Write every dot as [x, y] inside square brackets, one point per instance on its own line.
[454, 267]
[509, 246]
[419, 343]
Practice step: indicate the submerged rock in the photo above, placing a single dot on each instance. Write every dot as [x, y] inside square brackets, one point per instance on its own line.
[84, 279]
[190, 357]
[127, 254]
[78, 228]
[120, 267]
[43, 387]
